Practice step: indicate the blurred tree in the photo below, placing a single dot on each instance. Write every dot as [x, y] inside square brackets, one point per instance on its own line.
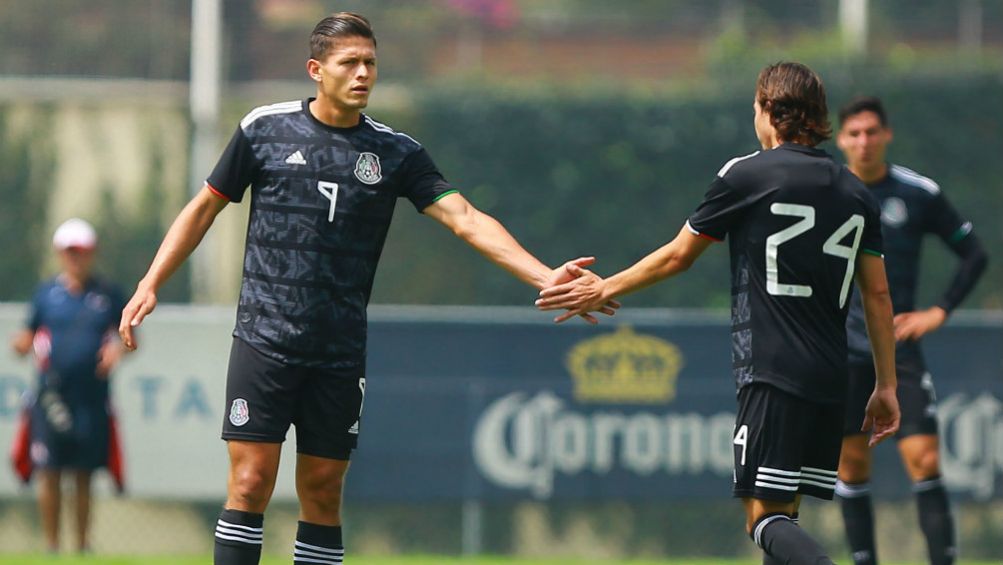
[128, 243]
[25, 159]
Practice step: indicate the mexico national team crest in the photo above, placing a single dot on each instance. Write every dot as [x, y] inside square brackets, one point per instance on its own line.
[239, 413]
[367, 168]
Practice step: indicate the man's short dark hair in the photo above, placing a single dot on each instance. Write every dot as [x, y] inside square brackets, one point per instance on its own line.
[863, 104]
[337, 26]
[794, 97]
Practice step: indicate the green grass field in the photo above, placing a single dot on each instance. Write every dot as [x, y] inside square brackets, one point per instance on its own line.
[362, 560]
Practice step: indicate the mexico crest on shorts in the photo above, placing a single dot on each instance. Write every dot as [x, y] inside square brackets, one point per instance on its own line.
[367, 168]
[239, 413]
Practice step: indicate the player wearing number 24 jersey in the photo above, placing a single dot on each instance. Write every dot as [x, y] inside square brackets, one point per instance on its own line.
[800, 228]
[795, 222]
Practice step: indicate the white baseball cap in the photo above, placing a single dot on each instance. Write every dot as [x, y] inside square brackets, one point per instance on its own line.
[74, 233]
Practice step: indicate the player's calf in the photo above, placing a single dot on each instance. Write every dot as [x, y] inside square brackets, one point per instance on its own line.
[318, 544]
[935, 520]
[238, 538]
[784, 541]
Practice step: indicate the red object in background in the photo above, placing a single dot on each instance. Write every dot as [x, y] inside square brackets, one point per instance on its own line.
[116, 463]
[20, 451]
[500, 14]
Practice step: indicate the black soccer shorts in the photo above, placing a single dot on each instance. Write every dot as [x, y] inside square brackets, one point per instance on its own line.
[785, 445]
[265, 396]
[917, 399]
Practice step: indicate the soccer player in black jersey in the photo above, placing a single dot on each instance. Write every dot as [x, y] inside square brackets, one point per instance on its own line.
[800, 228]
[324, 180]
[912, 206]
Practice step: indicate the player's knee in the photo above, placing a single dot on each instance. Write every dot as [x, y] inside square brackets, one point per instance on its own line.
[925, 464]
[250, 487]
[323, 487]
[854, 465]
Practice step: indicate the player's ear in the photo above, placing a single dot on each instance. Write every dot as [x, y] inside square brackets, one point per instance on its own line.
[313, 69]
[840, 141]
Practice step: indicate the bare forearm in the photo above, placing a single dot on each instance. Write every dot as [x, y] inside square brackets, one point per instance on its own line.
[491, 239]
[664, 262]
[880, 331]
[182, 238]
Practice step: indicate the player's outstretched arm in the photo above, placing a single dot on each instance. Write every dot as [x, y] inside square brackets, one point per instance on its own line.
[491, 239]
[882, 413]
[182, 238]
[589, 291]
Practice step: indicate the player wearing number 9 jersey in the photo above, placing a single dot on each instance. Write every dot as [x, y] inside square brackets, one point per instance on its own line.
[324, 179]
[800, 229]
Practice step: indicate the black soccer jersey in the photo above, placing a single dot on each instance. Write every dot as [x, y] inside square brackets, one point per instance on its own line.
[911, 207]
[795, 221]
[321, 203]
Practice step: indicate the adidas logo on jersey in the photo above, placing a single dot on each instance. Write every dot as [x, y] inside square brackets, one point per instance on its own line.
[296, 159]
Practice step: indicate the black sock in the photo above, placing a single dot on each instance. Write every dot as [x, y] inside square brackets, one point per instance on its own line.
[769, 559]
[935, 520]
[320, 544]
[858, 518]
[238, 538]
[786, 543]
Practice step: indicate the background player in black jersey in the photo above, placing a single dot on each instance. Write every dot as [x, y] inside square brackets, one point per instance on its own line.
[324, 180]
[799, 227]
[912, 206]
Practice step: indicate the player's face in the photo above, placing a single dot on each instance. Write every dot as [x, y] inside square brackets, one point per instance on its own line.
[863, 140]
[77, 261]
[347, 76]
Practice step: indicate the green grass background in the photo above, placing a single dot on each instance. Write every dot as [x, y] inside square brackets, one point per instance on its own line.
[363, 560]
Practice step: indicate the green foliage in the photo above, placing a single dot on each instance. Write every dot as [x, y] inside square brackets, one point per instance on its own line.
[26, 162]
[615, 176]
[128, 242]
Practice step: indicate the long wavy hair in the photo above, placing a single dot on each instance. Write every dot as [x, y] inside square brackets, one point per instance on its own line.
[794, 97]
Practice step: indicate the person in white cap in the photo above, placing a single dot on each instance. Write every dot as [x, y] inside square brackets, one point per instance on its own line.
[72, 319]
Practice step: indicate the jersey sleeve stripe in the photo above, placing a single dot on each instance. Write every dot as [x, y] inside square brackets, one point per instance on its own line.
[703, 235]
[445, 194]
[872, 252]
[961, 233]
[216, 192]
[387, 129]
[727, 166]
[261, 111]
[910, 177]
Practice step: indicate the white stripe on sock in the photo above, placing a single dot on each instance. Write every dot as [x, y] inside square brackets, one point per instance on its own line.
[242, 540]
[239, 527]
[239, 533]
[858, 490]
[328, 550]
[758, 532]
[335, 561]
[298, 551]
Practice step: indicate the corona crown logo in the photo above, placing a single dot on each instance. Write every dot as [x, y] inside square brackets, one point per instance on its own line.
[625, 367]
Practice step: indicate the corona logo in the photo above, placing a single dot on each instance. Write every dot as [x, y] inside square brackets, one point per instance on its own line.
[625, 367]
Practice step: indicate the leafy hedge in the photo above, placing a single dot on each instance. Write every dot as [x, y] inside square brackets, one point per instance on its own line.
[615, 176]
